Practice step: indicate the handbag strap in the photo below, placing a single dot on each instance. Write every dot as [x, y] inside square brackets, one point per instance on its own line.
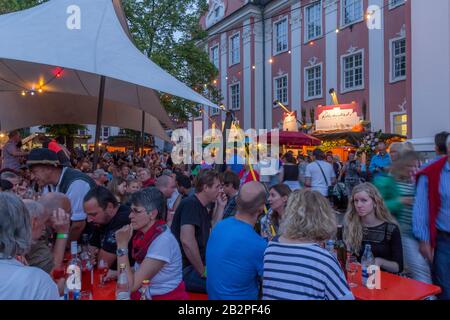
[323, 173]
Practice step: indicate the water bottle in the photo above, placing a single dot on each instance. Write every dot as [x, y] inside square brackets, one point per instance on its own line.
[366, 261]
[123, 286]
[73, 273]
[87, 272]
[145, 291]
[329, 246]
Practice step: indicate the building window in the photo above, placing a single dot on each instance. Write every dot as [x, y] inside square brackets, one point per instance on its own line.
[351, 11]
[313, 82]
[235, 96]
[281, 36]
[214, 56]
[122, 132]
[352, 72]
[235, 49]
[281, 89]
[313, 21]
[400, 124]
[395, 3]
[106, 132]
[82, 132]
[398, 59]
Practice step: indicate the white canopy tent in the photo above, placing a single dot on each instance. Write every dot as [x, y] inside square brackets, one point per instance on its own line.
[66, 108]
[75, 46]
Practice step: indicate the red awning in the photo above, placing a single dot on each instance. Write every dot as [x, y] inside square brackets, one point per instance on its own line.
[295, 139]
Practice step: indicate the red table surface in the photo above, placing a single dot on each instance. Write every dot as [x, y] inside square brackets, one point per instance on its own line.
[108, 292]
[394, 287]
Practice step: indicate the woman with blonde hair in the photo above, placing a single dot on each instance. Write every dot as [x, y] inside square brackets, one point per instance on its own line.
[368, 221]
[296, 267]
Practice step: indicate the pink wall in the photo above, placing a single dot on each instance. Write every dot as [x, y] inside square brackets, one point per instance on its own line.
[281, 62]
[394, 92]
[236, 72]
[355, 36]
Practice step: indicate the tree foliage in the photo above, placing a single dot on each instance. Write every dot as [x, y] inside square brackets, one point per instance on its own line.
[169, 33]
[7, 6]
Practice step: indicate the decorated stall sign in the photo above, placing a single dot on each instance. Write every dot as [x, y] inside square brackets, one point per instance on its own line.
[337, 117]
[290, 121]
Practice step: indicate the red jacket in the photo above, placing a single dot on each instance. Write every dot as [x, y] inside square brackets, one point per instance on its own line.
[433, 174]
[148, 183]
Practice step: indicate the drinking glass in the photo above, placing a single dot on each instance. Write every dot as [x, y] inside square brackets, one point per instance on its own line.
[103, 269]
[352, 269]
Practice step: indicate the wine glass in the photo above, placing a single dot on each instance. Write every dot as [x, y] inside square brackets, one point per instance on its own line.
[352, 268]
[103, 268]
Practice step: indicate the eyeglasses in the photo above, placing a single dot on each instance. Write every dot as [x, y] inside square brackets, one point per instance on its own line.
[137, 211]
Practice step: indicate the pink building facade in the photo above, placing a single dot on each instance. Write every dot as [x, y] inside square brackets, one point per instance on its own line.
[296, 51]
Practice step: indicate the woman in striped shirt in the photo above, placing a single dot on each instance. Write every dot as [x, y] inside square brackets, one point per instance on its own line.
[296, 267]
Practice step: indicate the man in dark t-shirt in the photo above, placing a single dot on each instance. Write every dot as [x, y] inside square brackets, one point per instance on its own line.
[105, 217]
[191, 226]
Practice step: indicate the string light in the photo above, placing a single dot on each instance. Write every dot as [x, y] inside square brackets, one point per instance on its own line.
[253, 67]
[32, 93]
[311, 43]
[24, 93]
[215, 81]
[337, 30]
[289, 51]
[40, 90]
[270, 60]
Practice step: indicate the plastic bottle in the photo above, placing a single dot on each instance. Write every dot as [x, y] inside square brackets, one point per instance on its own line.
[145, 291]
[366, 261]
[123, 286]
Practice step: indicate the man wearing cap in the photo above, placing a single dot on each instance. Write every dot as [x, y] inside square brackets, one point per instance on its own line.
[53, 177]
[100, 177]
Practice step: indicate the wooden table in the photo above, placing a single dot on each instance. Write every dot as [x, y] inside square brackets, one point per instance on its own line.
[394, 287]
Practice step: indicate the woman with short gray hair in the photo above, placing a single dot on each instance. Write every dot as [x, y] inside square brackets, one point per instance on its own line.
[155, 250]
[17, 281]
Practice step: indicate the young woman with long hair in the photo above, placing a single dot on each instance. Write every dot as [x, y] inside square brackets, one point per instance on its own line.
[368, 221]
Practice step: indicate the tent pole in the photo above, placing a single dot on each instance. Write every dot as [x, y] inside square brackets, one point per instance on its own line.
[143, 133]
[98, 127]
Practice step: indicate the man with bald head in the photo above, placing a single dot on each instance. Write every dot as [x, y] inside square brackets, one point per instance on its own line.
[235, 252]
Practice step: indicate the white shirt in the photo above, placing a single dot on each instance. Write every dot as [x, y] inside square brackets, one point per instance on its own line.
[172, 199]
[76, 192]
[19, 282]
[318, 182]
[165, 248]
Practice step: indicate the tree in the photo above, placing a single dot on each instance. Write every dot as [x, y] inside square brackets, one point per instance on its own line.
[7, 6]
[68, 131]
[169, 33]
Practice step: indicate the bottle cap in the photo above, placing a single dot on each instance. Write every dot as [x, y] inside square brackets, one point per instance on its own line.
[146, 282]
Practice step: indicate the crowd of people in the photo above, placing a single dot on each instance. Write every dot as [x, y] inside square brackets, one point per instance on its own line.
[230, 232]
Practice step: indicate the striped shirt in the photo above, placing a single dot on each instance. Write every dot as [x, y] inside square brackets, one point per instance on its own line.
[404, 216]
[302, 272]
[420, 212]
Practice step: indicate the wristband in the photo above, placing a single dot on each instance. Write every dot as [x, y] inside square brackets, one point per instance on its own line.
[62, 236]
